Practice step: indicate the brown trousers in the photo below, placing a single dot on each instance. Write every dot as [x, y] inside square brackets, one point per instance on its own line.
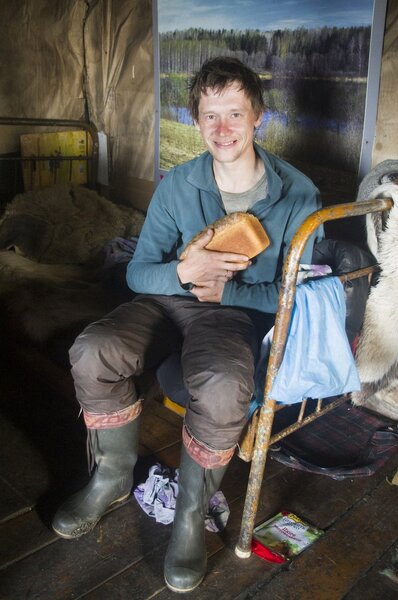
[218, 345]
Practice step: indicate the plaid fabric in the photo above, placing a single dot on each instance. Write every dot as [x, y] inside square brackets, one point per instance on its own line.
[347, 442]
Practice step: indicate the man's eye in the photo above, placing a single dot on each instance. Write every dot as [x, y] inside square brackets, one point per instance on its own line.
[210, 117]
[236, 115]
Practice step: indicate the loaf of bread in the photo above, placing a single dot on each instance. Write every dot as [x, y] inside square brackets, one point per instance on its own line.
[239, 232]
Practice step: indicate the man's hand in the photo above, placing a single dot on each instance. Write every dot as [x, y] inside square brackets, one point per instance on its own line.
[209, 291]
[207, 266]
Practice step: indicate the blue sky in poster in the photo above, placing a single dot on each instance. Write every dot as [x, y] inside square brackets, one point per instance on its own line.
[266, 15]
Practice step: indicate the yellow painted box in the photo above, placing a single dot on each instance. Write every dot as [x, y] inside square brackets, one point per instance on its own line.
[58, 169]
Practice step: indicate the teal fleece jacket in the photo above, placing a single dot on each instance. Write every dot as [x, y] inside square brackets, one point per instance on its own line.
[187, 200]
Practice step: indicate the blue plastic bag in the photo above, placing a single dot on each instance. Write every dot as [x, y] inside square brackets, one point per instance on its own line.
[318, 361]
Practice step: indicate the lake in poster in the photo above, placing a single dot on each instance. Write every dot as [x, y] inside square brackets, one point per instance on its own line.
[312, 56]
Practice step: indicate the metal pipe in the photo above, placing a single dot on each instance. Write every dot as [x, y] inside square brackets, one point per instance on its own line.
[285, 305]
[308, 419]
[41, 157]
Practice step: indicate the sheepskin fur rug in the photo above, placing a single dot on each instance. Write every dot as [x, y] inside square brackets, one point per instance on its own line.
[377, 351]
[65, 224]
[52, 278]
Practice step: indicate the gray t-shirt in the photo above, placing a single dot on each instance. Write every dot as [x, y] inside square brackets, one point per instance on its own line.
[242, 201]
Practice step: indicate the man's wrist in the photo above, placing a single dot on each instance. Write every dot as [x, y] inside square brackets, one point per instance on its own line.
[187, 285]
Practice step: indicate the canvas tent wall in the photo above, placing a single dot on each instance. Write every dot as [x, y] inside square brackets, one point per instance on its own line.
[93, 59]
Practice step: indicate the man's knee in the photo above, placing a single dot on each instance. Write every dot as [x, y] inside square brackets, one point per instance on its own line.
[95, 348]
[221, 385]
[219, 406]
[223, 380]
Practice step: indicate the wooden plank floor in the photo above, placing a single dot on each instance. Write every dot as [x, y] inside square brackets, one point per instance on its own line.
[42, 460]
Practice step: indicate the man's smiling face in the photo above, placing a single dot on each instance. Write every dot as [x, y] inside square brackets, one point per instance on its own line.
[227, 122]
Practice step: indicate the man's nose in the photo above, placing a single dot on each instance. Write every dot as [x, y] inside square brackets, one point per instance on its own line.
[223, 126]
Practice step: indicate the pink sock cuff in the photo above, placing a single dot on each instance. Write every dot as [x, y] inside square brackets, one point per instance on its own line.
[112, 420]
[206, 457]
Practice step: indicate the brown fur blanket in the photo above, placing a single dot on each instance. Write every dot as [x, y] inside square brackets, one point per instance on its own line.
[52, 277]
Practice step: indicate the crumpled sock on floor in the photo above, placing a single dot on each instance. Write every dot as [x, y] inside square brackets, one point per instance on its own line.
[157, 497]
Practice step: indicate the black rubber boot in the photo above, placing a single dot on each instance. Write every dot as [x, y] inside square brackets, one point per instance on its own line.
[115, 453]
[186, 558]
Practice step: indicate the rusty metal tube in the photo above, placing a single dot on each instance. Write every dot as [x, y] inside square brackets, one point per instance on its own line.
[311, 417]
[285, 305]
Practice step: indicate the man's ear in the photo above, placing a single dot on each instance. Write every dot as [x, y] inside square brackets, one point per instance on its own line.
[196, 125]
[259, 120]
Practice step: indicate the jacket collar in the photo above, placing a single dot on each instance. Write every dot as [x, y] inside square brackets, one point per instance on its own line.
[202, 177]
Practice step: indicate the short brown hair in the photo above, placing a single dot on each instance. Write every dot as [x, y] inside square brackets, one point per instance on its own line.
[218, 73]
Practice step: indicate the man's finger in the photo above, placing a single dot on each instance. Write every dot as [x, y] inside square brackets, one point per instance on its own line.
[199, 241]
[203, 239]
[232, 257]
[237, 266]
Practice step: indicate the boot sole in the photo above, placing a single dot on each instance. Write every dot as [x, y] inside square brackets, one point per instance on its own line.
[66, 536]
[75, 537]
[184, 590]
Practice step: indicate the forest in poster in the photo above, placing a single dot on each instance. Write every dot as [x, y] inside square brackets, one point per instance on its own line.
[314, 81]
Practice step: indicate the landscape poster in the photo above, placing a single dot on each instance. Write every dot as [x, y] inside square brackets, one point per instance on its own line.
[312, 56]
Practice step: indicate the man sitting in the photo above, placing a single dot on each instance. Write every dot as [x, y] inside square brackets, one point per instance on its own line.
[213, 307]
